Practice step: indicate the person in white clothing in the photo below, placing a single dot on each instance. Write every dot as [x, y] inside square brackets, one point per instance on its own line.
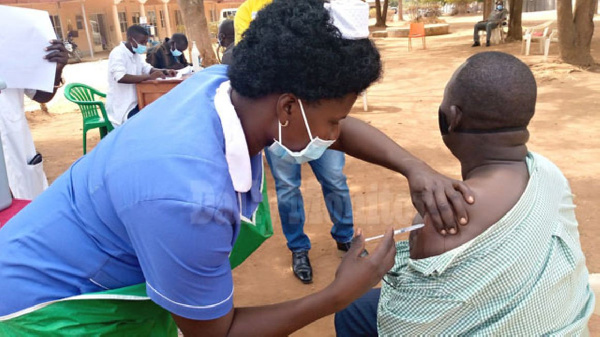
[126, 67]
[24, 168]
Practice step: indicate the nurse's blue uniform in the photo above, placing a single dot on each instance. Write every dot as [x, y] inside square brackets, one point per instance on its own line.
[158, 201]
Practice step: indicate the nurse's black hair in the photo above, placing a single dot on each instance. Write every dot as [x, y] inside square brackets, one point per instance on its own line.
[293, 47]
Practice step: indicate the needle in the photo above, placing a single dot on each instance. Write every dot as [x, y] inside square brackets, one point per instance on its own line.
[398, 231]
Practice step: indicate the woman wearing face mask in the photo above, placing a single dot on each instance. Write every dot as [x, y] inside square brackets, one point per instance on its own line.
[126, 67]
[169, 55]
[159, 201]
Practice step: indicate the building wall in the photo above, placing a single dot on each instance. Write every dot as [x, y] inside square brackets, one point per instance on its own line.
[67, 16]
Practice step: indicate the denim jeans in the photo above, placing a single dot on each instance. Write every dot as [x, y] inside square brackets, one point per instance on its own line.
[329, 172]
[360, 317]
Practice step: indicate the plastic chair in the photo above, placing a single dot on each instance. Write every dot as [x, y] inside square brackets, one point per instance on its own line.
[535, 33]
[552, 38]
[416, 30]
[92, 109]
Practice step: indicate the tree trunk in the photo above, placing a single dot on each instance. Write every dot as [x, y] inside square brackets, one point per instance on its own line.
[400, 11]
[487, 8]
[196, 26]
[385, 11]
[575, 31]
[515, 28]
[378, 17]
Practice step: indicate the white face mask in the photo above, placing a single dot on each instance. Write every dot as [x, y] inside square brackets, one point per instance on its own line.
[314, 149]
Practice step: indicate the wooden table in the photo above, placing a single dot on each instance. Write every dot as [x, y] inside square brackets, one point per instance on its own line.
[150, 91]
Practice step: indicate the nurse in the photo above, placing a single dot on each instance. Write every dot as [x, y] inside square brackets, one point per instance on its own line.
[159, 201]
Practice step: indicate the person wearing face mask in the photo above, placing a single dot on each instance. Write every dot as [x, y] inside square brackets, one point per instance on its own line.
[169, 55]
[328, 167]
[495, 18]
[126, 67]
[518, 268]
[159, 204]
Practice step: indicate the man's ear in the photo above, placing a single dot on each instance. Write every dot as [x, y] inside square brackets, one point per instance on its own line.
[455, 118]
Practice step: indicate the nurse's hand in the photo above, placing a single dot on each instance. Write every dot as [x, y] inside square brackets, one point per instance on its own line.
[356, 275]
[441, 199]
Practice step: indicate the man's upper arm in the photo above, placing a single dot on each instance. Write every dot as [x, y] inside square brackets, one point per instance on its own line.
[117, 67]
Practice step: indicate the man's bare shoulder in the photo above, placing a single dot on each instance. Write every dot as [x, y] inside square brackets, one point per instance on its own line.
[496, 192]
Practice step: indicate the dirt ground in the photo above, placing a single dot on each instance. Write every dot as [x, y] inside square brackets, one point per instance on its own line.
[404, 105]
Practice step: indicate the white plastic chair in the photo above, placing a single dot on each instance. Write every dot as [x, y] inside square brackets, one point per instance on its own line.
[535, 33]
[552, 38]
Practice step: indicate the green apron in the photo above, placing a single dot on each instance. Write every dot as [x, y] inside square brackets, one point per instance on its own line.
[125, 311]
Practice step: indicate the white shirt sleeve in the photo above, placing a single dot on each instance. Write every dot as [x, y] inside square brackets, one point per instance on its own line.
[116, 66]
[146, 67]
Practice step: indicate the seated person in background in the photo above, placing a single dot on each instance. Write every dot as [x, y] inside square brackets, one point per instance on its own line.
[496, 17]
[226, 37]
[126, 67]
[518, 267]
[169, 55]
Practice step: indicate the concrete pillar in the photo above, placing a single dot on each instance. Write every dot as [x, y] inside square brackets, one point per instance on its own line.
[142, 8]
[116, 22]
[167, 19]
[62, 23]
[87, 29]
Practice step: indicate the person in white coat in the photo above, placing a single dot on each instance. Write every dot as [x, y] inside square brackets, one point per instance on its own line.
[26, 176]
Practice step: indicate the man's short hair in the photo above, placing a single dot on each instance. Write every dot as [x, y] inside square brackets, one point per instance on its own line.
[136, 30]
[226, 28]
[179, 38]
[493, 90]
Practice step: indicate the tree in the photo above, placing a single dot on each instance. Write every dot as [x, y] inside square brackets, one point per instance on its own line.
[575, 29]
[196, 26]
[381, 15]
[487, 8]
[515, 27]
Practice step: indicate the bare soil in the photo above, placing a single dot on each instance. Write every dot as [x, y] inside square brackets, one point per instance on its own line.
[404, 105]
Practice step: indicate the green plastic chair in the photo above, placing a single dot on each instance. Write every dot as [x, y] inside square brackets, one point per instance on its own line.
[92, 109]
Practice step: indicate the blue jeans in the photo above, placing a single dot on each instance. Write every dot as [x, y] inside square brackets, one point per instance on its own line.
[329, 172]
[360, 317]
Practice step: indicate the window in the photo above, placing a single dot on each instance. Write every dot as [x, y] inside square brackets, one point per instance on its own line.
[213, 15]
[178, 18]
[152, 18]
[162, 19]
[56, 25]
[123, 21]
[79, 21]
[135, 18]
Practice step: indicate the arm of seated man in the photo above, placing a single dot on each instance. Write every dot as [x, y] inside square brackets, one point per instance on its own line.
[496, 191]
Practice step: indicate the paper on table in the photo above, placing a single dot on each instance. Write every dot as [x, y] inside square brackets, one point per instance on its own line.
[26, 32]
[180, 74]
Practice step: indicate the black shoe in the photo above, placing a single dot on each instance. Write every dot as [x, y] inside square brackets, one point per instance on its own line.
[476, 44]
[346, 246]
[301, 266]
[487, 44]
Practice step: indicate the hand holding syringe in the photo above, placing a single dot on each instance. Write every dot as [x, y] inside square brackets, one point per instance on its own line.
[398, 231]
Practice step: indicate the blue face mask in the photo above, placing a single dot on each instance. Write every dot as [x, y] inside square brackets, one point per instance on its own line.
[140, 49]
[499, 7]
[314, 149]
[176, 52]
